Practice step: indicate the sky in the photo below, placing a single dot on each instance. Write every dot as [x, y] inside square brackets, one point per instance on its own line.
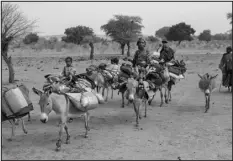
[55, 17]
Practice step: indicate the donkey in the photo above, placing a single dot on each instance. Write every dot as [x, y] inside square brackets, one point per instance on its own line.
[61, 105]
[165, 84]
[101, 83]
[207, 84]
[138, 96]
[13, 123]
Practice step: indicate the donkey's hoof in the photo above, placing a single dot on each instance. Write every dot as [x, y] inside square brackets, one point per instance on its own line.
[123, 106]
[144, 115]
[58, 149]
[25, 132]
[86, 136]
[166, 101]
[67, 141]
[70, 120]
[9, 139]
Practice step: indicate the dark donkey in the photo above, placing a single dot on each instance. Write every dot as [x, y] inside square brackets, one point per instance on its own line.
[136, 93]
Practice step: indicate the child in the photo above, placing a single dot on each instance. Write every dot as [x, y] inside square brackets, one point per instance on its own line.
[68, 70]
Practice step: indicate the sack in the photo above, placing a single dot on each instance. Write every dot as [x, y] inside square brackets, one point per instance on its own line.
[75, 100]
[16, 101]
[91, 68]
[126, 69]
[112, 68]
[100, 98]
[102, 66]
[60, 88]
[89, 101]
[107, 74]
[174, 70]
[154, 78]
[176, 76]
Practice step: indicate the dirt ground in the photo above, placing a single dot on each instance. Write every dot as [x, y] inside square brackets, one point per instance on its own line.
[178, 129]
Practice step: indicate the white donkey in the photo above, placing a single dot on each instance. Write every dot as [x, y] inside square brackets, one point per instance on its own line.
[61, 105]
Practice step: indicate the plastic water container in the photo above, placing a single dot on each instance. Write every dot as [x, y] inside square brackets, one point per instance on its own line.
[16, 99]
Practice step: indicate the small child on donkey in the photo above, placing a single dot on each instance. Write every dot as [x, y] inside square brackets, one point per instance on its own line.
[68, 72]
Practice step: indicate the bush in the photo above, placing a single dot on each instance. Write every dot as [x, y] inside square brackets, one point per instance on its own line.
[30, 38]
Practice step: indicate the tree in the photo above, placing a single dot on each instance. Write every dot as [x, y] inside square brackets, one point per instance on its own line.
[162, 32]
[222, 36]
[205, 36]
[76, 34]
[14, 26]
[91, 40]
[229, 17]
[152, 39]
[180, 32]
[30, 38]
[123, 30]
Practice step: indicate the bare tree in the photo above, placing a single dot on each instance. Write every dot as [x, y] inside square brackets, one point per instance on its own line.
[14, 26]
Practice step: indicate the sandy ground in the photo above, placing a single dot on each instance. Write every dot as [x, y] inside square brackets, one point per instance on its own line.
[178, 129]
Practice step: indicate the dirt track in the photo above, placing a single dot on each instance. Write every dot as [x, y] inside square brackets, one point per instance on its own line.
[179, 129]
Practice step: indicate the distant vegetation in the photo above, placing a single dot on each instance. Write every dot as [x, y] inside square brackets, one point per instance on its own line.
[123, 30]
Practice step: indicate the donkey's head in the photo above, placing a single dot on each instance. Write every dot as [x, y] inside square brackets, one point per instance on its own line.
[207, 83]
[45, 103]
[132, 86]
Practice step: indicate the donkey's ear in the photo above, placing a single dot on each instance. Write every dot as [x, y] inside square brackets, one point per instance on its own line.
[36, 91]
[199, 76]
[213, 77]
[49, 91]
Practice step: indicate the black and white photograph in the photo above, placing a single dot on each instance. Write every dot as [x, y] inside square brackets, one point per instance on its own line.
[120, 80]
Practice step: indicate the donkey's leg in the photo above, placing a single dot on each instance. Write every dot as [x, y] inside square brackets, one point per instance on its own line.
[139, 108]
[137, 114]
[123, 99]
[29, 117]
[169, 95]
[86, 120]
[207, 103]
[103, 89]
[106, 99]
[67, 134]
[150, 100]
[23, 126]
[161, 95]
[166, 95]
[145, 104]
[12, 130]
[16, 121]
[112, 93]
[62, 125]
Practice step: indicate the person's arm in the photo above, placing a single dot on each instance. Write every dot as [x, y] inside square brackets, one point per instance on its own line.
[63, 72]
[221, 63]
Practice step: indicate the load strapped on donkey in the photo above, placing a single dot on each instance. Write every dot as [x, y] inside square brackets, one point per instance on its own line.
[80, 93]
[15, 102]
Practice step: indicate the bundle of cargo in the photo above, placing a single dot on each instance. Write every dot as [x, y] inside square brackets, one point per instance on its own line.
[15, 102]
[177, 69]
[85, 101]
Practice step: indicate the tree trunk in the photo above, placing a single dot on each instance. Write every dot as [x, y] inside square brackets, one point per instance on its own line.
[8, 61]
[92, 51]
[122, 49]
[178, 43]
[128, 52]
